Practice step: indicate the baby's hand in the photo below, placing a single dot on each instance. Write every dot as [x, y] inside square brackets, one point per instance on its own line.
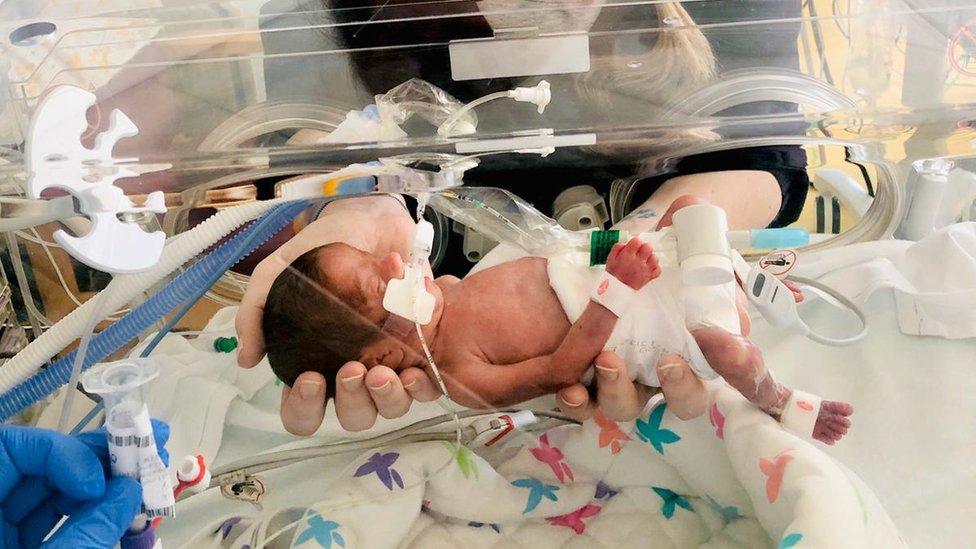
[633, 263]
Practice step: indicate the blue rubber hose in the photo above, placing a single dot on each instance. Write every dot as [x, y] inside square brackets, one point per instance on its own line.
[244, 250]
[178, 291]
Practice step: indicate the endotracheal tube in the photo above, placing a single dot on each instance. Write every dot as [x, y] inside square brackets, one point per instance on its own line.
[408, 301]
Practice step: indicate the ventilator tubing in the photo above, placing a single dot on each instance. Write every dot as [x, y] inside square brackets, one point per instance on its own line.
[18, 396]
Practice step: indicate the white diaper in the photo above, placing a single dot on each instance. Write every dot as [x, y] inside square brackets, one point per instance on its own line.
[660, 320]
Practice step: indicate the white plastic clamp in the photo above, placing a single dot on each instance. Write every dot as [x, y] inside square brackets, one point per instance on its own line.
[56, 159]
[490, 430]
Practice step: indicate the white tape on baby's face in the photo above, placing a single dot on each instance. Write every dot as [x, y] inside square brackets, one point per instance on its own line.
[613, 294]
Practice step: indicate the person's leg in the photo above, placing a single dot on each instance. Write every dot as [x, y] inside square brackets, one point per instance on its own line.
[740, 363]
[751, 199]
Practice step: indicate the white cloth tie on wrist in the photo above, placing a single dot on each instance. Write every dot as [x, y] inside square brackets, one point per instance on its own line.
[613, 294]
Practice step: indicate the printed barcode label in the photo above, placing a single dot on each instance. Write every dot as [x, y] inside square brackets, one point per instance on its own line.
[131, 440]
[164, 512]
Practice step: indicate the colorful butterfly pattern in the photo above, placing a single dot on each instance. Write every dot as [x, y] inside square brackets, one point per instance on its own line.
[774, 469]
[650, 431]
[464, 458]
[324, 532]
[610, 433]
[553, 457]
[574, 520]
[537, 491]
[790, 541]
[382, 466]
[604, 491]
[492, 525]
[717, 420]
[672, 500]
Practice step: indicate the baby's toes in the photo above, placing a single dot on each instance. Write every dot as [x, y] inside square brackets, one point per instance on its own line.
[836, 409]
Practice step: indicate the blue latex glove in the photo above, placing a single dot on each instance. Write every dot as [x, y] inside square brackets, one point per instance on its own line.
[45, 475]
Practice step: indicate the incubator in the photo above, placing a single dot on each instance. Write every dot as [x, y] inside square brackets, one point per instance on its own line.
[159, 158]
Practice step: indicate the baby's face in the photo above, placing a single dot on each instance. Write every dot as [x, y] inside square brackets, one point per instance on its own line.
[361, 278]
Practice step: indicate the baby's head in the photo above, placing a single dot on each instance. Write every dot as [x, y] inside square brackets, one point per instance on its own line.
[326, 309]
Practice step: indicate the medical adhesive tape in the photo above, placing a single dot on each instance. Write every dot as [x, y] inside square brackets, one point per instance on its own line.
[613, 294]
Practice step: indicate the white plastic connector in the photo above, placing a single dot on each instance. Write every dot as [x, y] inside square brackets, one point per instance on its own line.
[490, 430]
[539, 95]
[56, 158]
[193, 474]
[408, 297]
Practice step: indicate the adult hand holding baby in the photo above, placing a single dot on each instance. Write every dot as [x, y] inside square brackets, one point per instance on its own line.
[376, 224]
[380, 224]
[633, 264]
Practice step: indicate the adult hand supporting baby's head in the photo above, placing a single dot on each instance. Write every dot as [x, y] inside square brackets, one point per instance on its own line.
[360, 396]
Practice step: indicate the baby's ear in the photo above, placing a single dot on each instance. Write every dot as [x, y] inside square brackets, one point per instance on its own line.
[391, 266]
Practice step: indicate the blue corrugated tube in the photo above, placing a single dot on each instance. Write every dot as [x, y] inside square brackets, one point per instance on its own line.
[181, 288]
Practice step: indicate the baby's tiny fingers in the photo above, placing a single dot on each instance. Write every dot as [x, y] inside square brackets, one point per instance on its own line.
[633, 246]
[645, 251]
[614, 251]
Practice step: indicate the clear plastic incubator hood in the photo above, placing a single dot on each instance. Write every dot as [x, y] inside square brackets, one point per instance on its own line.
[154, 152]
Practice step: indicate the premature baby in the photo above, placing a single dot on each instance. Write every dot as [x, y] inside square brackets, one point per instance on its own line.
[501, 336]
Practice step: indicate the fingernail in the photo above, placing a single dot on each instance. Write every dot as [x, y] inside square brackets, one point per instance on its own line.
[672, 372]
[609, 374]
[309, 389]
[408, 386]
[385, 388]
[571, 404]
[353, 382]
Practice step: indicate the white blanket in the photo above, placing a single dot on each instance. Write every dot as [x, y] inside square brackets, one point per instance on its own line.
[934, 279]
[912, 439]
[733, 479]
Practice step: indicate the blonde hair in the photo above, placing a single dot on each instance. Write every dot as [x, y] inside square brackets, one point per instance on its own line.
[681, 58]
[680, 61]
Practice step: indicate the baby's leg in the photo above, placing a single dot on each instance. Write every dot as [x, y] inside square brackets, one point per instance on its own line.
[739, 362]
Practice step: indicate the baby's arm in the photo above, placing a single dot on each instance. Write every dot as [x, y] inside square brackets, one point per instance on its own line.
[479, 384]
[475, 383]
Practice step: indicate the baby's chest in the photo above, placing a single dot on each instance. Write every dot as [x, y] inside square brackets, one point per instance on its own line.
[508, 329]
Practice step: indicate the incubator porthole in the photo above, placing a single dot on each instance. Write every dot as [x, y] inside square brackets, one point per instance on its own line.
[30, 34]
[585, 221]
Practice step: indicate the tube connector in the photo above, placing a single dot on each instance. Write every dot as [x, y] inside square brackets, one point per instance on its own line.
[407, 297]
[539, 95]
[193, 474]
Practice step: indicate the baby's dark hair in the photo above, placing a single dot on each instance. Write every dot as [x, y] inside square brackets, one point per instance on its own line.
[307, 327]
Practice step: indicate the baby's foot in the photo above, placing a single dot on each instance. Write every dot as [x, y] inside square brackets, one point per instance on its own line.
[832, 421]
[683, 390]
[808, 415]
